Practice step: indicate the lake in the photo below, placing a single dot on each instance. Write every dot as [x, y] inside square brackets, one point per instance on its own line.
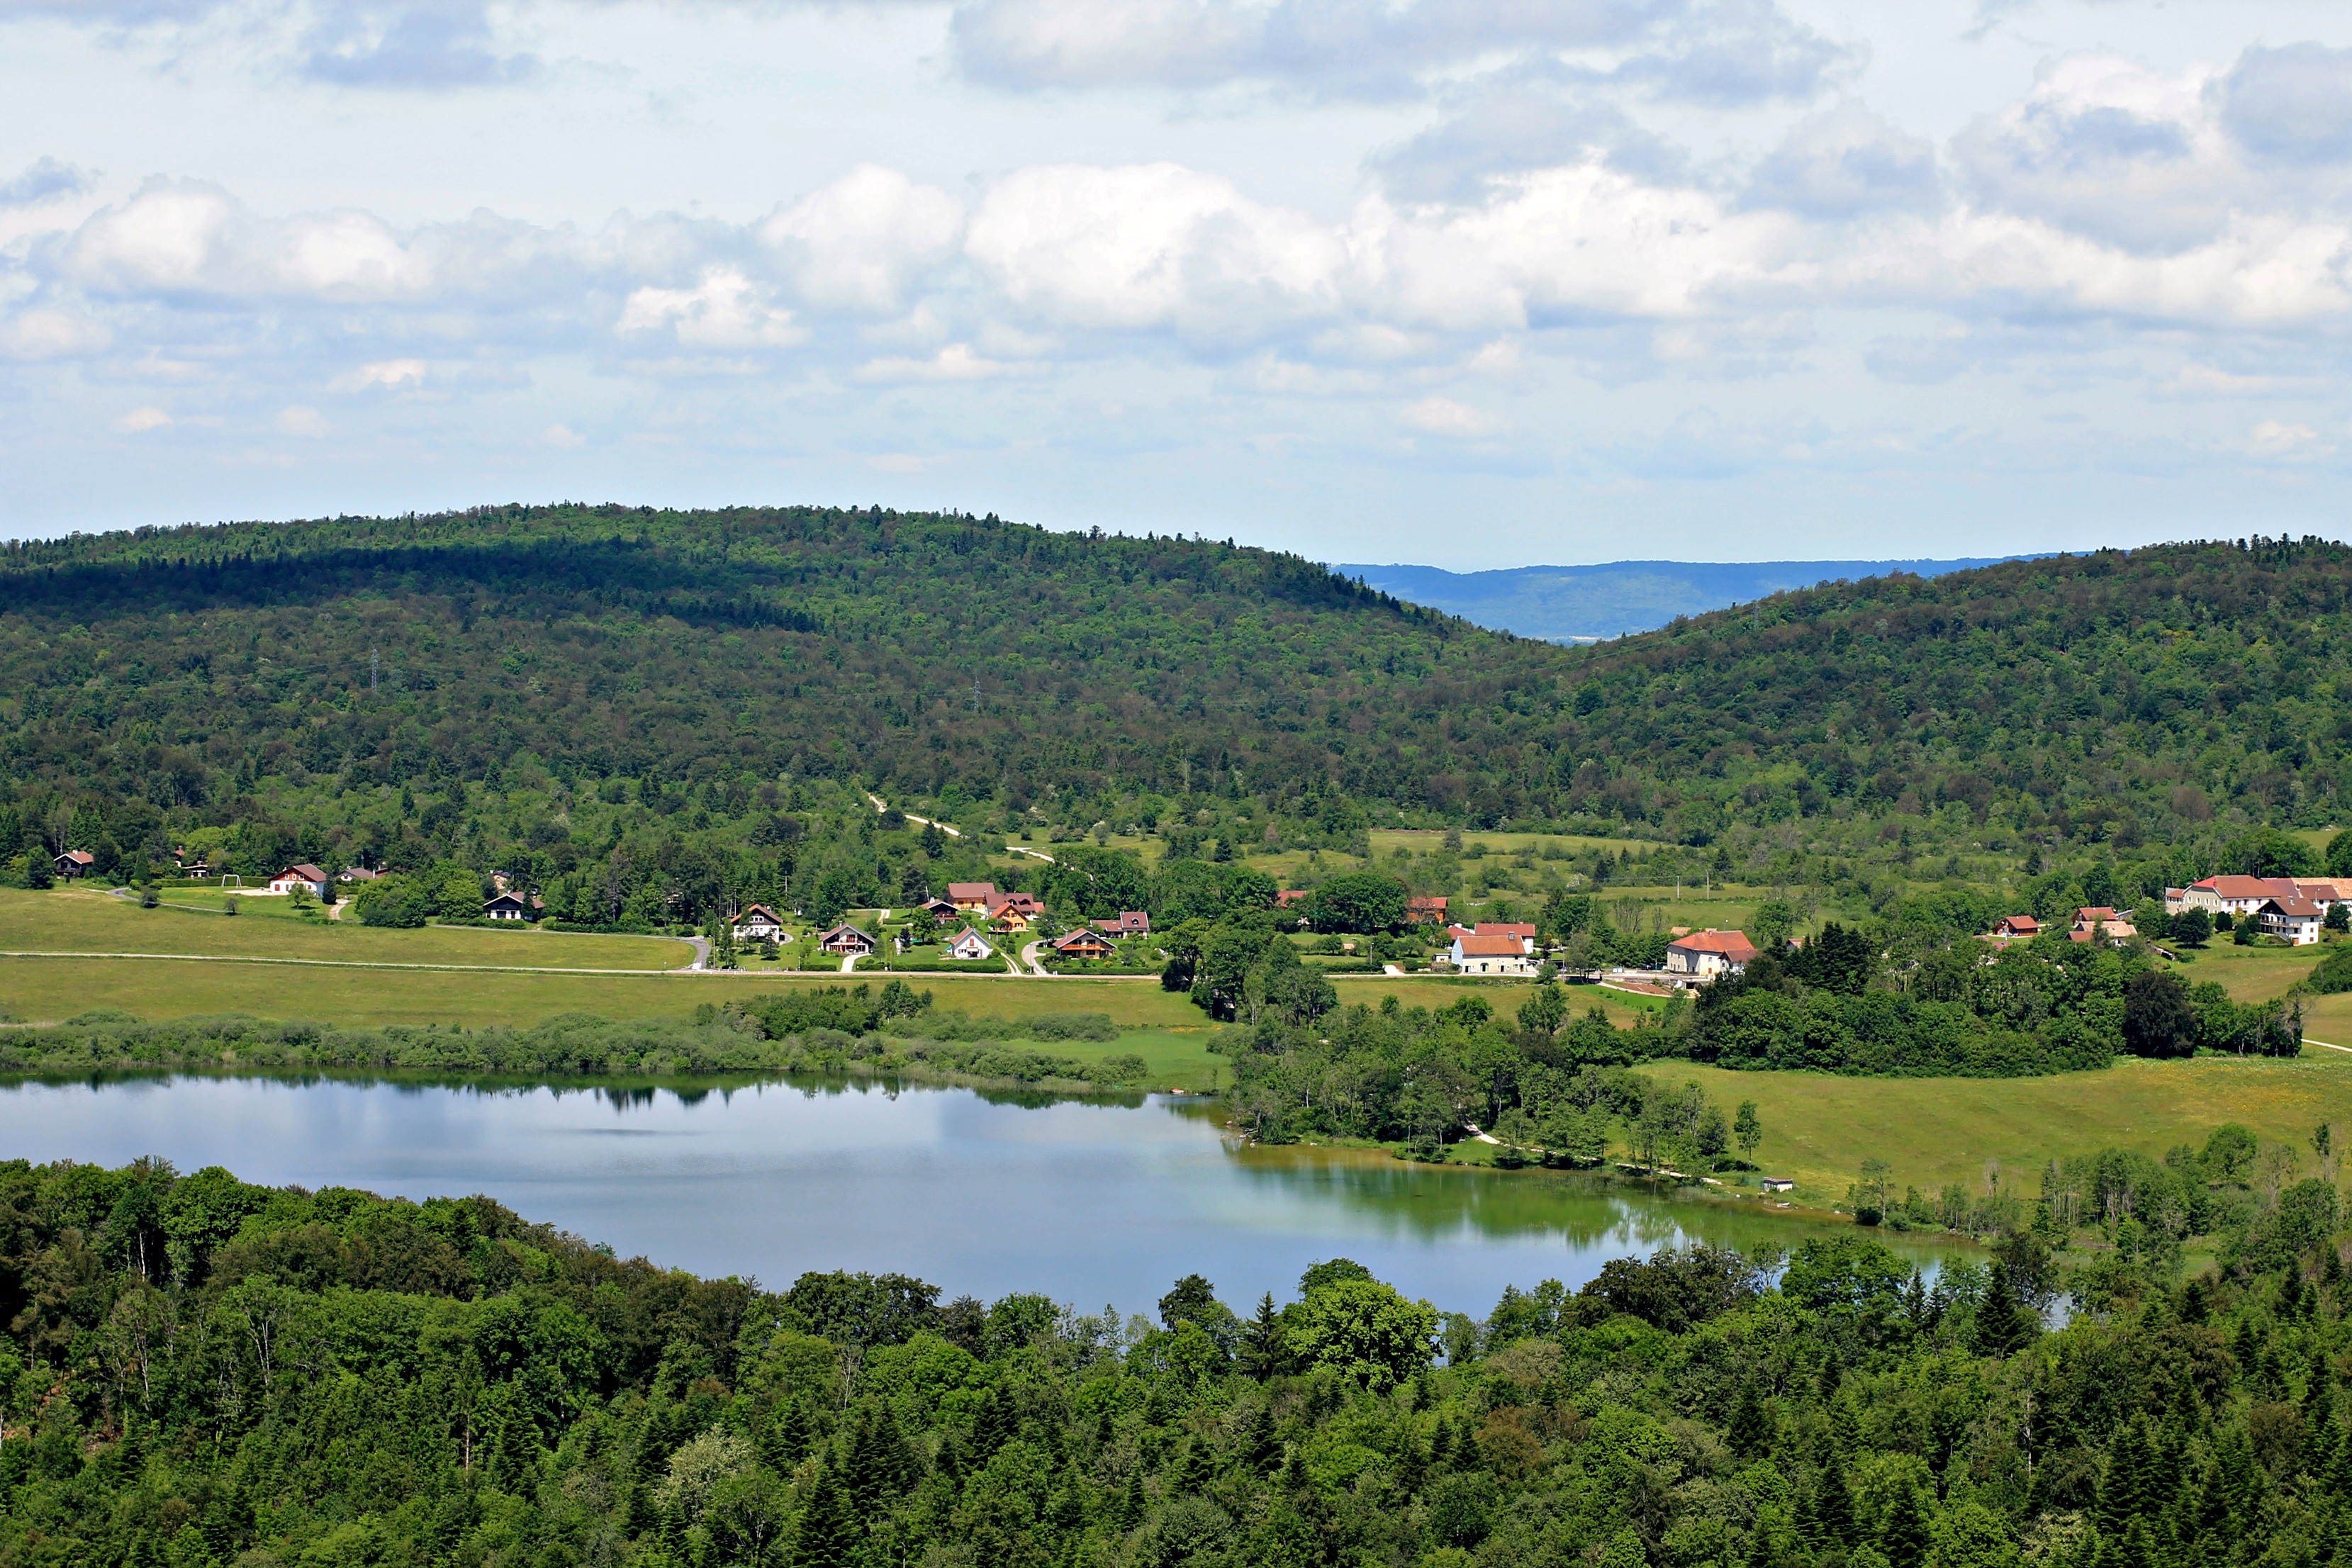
[1092, 1203]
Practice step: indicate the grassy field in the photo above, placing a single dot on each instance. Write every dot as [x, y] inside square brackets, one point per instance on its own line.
[1819, 1130]
[2251, 974]
[80, 921]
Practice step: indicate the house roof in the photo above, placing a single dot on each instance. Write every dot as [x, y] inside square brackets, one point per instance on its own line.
[514, 898]
[972, 891]
[1732, 945]
[2295, 909]
[80, 857]
[967, 931]
[2095, 912]
[307, 871]
[1426, 903]
[1506, 928]
[2020, 922]
[757, 910]
[356, 874]
[1476, 946]
[2244, 887]
[1289, 896]
[1082, 937]
[844, 929]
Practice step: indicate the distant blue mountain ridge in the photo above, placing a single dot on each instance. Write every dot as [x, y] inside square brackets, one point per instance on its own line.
[1585, 603]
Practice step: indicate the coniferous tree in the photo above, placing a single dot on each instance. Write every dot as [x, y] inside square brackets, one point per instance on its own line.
[1904, 1535]
[828, 1534]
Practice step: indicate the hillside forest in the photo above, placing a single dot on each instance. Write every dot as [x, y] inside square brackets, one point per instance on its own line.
[204, 1374]
[657, 716]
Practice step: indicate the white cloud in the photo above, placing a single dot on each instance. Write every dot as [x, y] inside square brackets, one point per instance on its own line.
[140, 420]
[384, 375]
[299, 419]
[1444, 417]
[725, 310]
[957, 362]
[1845, 163]
[563, 437]
[1152, 245]
[47, 333]
[863, 242]
[2279, 438]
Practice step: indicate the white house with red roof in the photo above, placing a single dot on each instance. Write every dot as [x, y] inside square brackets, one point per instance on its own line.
[306, 876]
[1710, 953]
[1476, 954]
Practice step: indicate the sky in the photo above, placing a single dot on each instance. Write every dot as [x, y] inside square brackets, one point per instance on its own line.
[1473, 283]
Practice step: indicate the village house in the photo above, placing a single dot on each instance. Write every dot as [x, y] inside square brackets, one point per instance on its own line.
[758, 923]
[2017, 928]
[845, 941]
[2297, 920]
[1084, 944]
[940, 909]
[307, 877]
[971, 898]
[2094, 923]
[2228, 894]
[1519, 929]
[1291, 898]
[1428, 912]
[1708, 954]
[75, 863]
[1476, 954]
[512, 906]
[198, 869]
[356, 874]
[1130, 922]
[968, 945]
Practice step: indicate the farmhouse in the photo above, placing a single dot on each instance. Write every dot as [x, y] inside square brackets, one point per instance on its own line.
[512, 906]
[75, 863]
[1084, 944]
[2017, 928]
[2094, 923]
[1706, 954]
[845, 941]
[307, 877]
[356, 874]
[2228, 894]
[969, 945]
[2297, 920]
[1130, 922]
[940, 909]
[1476, 954]
[758, 923]
[1426, 911]
[973, 897]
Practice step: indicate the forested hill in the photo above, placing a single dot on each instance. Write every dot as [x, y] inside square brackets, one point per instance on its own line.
[916, 652]
[2158, 688]
[985, 667]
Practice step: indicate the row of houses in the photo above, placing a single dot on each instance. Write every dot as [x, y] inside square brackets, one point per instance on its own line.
[2293, 908]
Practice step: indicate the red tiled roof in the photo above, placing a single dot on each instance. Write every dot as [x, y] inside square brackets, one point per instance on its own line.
[972, 890]
[2295, 909]
[1506, 928]
[1732, 945]
[307, 872]
[1474, 946]
[2242, 887]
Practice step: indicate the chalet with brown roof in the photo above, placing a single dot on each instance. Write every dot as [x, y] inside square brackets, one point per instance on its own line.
[306, 876]
[356, 874]
[757, 923]
[1425, 911]
[1084, 944]
[512, 906]
[2298, 920]
[2017, 928]
[1130, 922]
[1710, 953]
[845, 941]
[940, 909]
[971, 898]
[75, 863]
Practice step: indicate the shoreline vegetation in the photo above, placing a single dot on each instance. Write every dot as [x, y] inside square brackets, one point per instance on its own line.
[199, 1373]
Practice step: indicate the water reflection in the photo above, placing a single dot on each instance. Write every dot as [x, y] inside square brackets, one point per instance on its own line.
[1098, 1200]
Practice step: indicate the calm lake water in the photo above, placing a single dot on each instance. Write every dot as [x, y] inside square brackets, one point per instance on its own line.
[1090, 1202]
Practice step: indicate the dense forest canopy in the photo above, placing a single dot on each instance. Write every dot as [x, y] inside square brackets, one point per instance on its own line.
[204, 1373]
[966, 660]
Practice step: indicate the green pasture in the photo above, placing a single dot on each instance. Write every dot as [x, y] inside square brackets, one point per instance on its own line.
[81, 919]
[1817, 1129]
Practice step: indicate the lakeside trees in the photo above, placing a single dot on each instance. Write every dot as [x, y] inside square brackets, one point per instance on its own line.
[204, 1374]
